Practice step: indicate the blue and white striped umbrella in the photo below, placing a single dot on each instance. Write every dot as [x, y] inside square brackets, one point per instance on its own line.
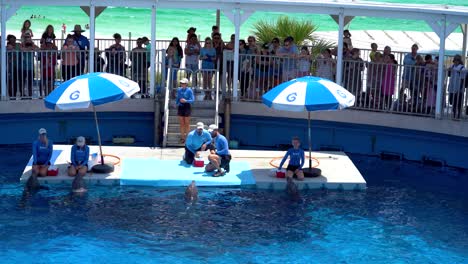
[91, 89]
[308, 93]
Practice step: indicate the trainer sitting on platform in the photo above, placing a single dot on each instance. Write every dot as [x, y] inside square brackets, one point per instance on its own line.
[79, 158]
[197, 140]
[296, 160]
[221, 156]
[42, 153]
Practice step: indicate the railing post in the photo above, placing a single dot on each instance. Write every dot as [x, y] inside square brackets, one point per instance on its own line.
[225, 71]
[441, 69]
[235, 78]
[152, 89]
[92, 20]
[3, 52]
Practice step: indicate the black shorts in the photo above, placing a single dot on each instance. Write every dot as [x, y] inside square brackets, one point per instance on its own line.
[224, 157]
[292, 168]
[185, 109]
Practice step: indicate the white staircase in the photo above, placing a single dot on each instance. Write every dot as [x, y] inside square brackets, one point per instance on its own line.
[202, 111]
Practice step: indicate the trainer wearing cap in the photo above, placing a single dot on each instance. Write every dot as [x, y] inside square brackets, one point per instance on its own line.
[221, 153]
[42, 153]
[197, 140]
[79, 158]
[184, 100]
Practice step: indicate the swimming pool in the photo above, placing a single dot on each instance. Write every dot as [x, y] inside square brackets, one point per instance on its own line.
[394, 221]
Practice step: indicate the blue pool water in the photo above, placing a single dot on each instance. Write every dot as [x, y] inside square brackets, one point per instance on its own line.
[394, 221]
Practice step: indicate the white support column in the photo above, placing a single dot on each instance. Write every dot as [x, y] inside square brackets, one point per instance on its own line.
[3, 52]
[442, 29]
[441, 69]
[339, 52]
[464, 28]
[92, 35]
[153, 52]
[235, 83]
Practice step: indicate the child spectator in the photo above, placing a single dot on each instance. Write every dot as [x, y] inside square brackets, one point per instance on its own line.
[26, 29]
[296, 160]
[304, 62]
[347, 39]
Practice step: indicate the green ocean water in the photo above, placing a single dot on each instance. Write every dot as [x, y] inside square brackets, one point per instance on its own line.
[175, 22]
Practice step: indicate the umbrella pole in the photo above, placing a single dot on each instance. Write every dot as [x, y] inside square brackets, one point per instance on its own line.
[310, 142]
[98, 134]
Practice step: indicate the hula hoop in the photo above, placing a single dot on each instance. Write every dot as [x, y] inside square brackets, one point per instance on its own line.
[113, 156]
[306, 157]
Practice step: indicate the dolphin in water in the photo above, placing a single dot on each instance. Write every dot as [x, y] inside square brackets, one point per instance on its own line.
[31, 187]
[292, 189]
[78, 184]
[191, 193]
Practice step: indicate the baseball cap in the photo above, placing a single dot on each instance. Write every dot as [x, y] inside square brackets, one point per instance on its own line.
[200, 125]
[212, 127]
[80, 141]
[42, 131]
[184, 80]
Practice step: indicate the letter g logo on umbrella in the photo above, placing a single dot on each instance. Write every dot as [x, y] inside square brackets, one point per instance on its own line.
[75, 95]
[291, 97]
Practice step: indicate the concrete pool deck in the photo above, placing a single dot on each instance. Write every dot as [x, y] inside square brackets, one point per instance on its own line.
[338, 171]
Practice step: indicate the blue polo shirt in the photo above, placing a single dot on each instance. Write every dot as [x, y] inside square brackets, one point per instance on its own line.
[185, 93]
[42, 153]
[80, 156]
[222, 146]
[194, 141]
[296, 157]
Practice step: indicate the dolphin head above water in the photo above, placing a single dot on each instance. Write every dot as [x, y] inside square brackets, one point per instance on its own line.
[191, 193]
[78, 185]
[292, 189]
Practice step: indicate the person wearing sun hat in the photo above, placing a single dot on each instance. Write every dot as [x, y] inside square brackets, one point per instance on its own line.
[221, 155]
[197, 140]
[83, 43]
[42, 153]
[79, 158]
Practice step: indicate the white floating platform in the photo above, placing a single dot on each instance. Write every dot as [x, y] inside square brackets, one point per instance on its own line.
[338, 171]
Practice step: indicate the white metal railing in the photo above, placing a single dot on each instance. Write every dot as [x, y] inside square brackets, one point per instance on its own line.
[384, 86]
[34, 72]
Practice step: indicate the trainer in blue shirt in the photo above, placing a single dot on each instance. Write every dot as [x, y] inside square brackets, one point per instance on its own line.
[42, 153]
[184, 100]
[197, 140]
[296, 160]
[79, 158]
[221, 155]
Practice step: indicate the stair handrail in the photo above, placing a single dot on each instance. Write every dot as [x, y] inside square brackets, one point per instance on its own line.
[166, 99]
[216, 119]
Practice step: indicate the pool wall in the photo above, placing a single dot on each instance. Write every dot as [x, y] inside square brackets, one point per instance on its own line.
[249, 130]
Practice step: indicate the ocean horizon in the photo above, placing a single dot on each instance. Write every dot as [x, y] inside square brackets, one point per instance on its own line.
[175, 22]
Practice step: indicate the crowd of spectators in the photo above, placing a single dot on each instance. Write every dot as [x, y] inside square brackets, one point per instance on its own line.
[261, 66]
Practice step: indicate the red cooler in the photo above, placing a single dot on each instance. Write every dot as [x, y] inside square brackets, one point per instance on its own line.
[198, 162]
[52, 171]
[280, 174]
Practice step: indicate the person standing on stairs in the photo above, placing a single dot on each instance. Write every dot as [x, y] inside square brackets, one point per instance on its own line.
[184, 102]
